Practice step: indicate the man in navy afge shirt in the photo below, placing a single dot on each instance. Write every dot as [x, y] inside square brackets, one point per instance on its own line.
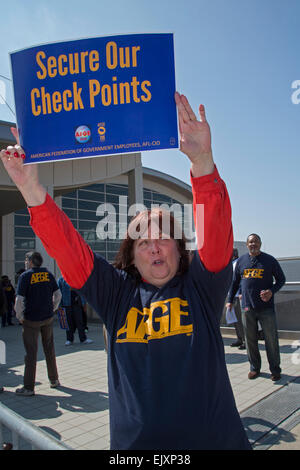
[254, 273]
[38, 296]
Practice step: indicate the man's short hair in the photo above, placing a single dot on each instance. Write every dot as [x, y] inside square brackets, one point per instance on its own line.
[254, 235]
[35, 257]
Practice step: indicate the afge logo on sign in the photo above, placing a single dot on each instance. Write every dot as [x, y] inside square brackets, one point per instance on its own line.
[82, 134]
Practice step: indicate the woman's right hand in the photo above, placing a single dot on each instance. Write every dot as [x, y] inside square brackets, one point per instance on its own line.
[25, 177]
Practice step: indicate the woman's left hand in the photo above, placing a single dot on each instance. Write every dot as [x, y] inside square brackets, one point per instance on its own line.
[195, 136]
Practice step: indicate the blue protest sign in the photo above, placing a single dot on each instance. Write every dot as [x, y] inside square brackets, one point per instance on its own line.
[98, 96]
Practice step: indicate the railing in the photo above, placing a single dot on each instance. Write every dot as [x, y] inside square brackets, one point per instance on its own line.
[22, 429]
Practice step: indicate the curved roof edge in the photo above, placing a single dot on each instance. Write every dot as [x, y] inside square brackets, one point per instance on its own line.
[170, 179]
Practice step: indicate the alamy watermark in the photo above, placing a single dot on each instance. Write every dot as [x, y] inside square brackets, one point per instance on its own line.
[296, 354]
[296, 94]
[113, 225]
[2, 353]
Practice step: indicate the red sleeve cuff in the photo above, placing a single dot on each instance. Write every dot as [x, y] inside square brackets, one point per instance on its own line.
[205, 183]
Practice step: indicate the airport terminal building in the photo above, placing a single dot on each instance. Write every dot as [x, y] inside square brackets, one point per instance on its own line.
[98, 195]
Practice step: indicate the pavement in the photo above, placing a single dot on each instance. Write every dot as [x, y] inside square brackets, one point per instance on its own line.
[76, 413]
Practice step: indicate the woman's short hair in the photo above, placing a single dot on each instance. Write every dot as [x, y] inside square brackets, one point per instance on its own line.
[151, 224]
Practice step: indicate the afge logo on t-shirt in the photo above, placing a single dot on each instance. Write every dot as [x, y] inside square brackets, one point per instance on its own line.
[39, 277]
[253, 273]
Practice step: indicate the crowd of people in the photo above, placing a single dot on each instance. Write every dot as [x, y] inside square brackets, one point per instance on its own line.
[160, 305]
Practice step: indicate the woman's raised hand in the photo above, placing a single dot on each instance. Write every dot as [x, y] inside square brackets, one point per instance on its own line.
[25, 177]
[195, 137]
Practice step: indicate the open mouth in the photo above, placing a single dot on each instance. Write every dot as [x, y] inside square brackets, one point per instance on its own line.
[157, 262]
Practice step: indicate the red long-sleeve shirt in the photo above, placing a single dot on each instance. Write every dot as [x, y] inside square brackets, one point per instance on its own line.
[75, 258]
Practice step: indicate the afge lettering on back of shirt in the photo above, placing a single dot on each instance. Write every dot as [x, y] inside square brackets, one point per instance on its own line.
[253, 273]
[162, 319]
[39, 277]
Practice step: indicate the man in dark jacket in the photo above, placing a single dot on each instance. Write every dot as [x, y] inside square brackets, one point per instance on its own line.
[10, 300]
[38, 296]
[254, 273]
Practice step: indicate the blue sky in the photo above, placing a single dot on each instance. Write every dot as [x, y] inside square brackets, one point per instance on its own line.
[239, 58]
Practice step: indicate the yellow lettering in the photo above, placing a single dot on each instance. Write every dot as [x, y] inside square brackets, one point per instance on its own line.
[62, 70]
[67, 106]
[106, 95]
[56, 101]
[124, 63]
[148, 96]
[77, 97]
[52, 67]
[124, 86]
[39, 55]
[94, 61]
[36, 110]
[141, 327]
[111, 55]
[135, 50]
[94, 87]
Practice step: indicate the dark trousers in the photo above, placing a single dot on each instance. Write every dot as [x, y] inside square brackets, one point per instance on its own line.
[267, 319]
[6, 317]
[31, 331]
[75, 320]
[239, 329]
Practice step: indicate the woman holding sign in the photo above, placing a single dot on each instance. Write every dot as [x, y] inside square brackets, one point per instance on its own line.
[168, 382]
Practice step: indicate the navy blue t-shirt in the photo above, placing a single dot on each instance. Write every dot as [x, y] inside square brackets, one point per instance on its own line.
[168, 382]
[37, 286]
[253, 274]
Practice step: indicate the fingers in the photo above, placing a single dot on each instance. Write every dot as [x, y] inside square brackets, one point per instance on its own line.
[185, 111]
[15, 133]
[202, 113]
[13, 152]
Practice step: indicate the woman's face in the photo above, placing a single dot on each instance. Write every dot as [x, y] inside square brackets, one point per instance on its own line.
[157, 260]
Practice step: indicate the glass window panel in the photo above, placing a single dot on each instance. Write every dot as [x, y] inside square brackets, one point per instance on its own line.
[19, 265]
[112, 199]
[22, 219]
[71, 194]
[69, 203]
[89, 205]
[113, 245]
[98, 188]
[24, 232]
[87, 225]
[87, 215]
[22, 212]
[117, 189]
[88, 235]
[71, 213]
[98, 245]
[90, 196]
[20, 255]
[23, 243]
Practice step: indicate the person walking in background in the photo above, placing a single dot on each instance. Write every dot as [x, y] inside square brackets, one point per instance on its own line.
[240, 342]
[254, 272]
[3, 303]
[74, 305]
[38, 296]
[10, 300]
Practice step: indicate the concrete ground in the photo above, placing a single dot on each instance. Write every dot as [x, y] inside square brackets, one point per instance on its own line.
[76, 413]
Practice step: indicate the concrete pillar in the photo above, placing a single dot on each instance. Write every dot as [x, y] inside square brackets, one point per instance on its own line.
[7, 248]
[135, 186]
[48, 262]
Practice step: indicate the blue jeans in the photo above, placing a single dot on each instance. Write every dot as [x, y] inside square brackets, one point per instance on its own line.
[267, 319]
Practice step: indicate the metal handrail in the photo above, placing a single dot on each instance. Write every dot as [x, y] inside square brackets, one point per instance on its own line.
[21, 428]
